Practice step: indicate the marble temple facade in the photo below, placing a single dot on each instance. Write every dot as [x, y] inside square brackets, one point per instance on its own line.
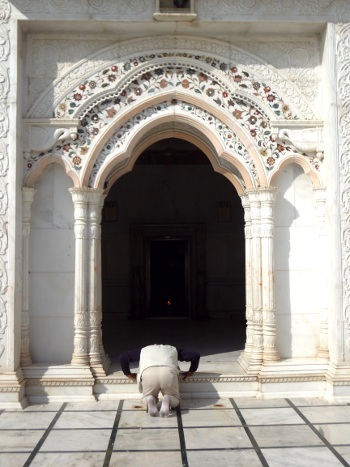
[262, 89]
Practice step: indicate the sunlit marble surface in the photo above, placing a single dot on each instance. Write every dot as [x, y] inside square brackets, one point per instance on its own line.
[206, 432]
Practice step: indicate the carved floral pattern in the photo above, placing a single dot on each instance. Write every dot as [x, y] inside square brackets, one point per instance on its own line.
[220, 8]
[219, 53]
[221, 90]
[177, 76]
[5, 10]
[119, 8]
[343, 32]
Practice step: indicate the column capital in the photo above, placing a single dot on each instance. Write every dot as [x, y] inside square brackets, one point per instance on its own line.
[28, 193]
[79, 195]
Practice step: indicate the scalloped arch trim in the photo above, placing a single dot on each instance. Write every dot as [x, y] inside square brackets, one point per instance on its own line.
[114, 67]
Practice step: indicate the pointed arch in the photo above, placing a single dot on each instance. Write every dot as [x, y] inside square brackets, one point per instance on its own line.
[304, 163]
[223, 130]
[112, 172]
[34, 175]
[222, 82]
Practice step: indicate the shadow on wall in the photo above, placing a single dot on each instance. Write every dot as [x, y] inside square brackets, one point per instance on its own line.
[294, 224]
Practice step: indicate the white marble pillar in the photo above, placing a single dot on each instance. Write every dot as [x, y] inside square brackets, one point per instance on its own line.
[248, 277]
[256, 357]
[320, 195]
[267, 199]
[99, 362]
[80, 353]
[27, 199]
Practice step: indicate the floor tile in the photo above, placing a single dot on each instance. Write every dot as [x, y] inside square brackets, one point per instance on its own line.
[13, 459]
[86, 420]
[344, 451]
[28, 420]
[133, 404]
[220, 437]
[271, 416]
[92, 406]
[335, 434]
[237, 458]
[301, 457]
[210, 417]
[205, 403]
[138, 419]
[19, 440]
[282, 435]
[76, 440]
[143, 439]
[71, 459]
[306, 401]
[328, 414]
[50, 407]
[260, 403]
[145, 459]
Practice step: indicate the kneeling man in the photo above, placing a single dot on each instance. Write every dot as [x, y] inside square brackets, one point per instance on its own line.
[159, 371]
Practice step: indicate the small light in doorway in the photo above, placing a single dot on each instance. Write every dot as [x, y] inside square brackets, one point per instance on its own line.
[109, 212]
[224, 211]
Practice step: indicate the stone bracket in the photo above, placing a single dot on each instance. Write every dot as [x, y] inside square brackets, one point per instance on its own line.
[42, 134]
[304, 135]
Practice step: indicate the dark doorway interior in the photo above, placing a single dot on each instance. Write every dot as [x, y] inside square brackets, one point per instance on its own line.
[171, 203]
[168, 278]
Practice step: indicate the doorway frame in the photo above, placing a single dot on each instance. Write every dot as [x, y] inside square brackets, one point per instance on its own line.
[140, 237]
[186, 269]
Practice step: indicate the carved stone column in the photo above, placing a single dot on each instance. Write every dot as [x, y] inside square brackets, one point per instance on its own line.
[27, 197]
[80, 352]
[99, 361]
[320, 194]
[267, 198]
[256, 357]
[248, 278]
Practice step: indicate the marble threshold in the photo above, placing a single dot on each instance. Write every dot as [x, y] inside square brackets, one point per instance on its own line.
[286, 378]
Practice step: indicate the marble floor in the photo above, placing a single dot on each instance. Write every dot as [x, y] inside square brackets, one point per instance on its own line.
[202, 432]
[219, 342]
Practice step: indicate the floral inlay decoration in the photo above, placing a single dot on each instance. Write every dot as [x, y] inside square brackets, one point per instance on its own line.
[231, 95]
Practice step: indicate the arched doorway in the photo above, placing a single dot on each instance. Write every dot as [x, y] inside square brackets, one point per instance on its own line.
[173, 254]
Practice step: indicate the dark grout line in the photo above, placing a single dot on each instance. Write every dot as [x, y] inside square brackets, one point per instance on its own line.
[182, 437]
[322, 438]
[250, 435]
[113, 435]
[45, 435]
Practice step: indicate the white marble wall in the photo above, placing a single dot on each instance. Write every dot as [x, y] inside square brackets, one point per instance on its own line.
[296, 273]
[309, 50]
[51, 267]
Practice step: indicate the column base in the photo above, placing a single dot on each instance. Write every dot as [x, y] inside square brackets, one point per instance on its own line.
[100, 369]
[12, 390]
[60, 383]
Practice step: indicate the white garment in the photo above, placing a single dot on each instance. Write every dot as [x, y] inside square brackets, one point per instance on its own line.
[157, 355]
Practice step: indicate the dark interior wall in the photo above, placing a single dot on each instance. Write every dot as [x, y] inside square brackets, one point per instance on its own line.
[175, 193]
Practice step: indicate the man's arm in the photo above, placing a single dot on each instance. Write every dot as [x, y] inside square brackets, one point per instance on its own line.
[189, 356]
[128, 357]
